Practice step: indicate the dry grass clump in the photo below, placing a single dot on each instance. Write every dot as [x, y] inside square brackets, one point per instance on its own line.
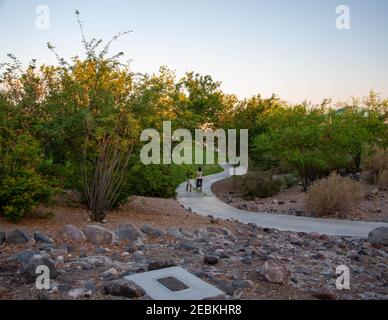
[334, 195]
[375, 166]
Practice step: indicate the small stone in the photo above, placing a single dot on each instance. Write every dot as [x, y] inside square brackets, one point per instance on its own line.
[324, 294]
[161, 264]
[212, 260]
[188, 246]
[40, 237]
[43, 295]
[274, 271]
[79, 293]
[151, 231]
[124, 288]
[109, 273]
[3, 292]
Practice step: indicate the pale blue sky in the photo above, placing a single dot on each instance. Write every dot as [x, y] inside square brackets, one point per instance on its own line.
[288, 47]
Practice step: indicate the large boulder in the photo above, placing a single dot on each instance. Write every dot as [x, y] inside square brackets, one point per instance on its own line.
[127, 232]
[124, 288]
[17, 236]
[40, 237]
[379, 236]
[98, 235]
[28, 270]
[73, 233]
[274, 271]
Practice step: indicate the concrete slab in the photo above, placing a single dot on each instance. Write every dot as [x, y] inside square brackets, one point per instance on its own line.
[174, 283]
[206, 203]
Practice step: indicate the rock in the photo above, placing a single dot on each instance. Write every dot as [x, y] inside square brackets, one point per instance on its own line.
[17, 236]
[324, 294]
[202, 233]
[2, 237]
[124, 288]
[72, 232]
[246, 260]
[40, 237]
[242, 284]
[225, 286]
[274, 271]
[3, 292]
[43, 295]
[28, 270]
[109, 273]
[379, 236]
[127, 232]
[242, 207]
[219, 231]
[151, 231]
[98, 235]
[161, 264]
[188, 246]
[212, 260]
[79, 293]
[23, 257]
[175, 233]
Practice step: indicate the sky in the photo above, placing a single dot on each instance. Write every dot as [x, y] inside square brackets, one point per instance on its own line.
[291, 48]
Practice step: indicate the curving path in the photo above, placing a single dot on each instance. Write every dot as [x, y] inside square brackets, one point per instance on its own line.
[206, 203]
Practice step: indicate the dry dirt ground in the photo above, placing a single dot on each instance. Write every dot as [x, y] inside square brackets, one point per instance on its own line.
[311, 259]
[374, 207]
[156, 212]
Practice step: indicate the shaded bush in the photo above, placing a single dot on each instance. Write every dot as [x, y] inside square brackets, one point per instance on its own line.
[290, 180]
[383, 180]
[333, 195]
[375, 166]
[152, 180]
[255, 186]
[19, 195]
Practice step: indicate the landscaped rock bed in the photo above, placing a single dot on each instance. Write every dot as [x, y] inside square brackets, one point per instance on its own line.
[291, 201]
[244, 261]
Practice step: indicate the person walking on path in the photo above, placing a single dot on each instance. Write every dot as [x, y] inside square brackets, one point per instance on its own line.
[189, 176]
[199, 179]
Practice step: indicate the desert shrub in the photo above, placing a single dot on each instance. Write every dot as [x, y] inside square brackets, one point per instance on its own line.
[255, 186]
[333, 195]
[383, 180]
[375, 165]
[290, 180]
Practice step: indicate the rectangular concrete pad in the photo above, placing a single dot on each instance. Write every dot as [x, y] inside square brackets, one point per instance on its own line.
[197, 288]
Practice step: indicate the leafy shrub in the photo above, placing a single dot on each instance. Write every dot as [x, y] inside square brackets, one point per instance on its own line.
[333, 195]
[22, 187]
[19, 195]
[255, 186]
[375, 165]
[153, 180]
[290, 180]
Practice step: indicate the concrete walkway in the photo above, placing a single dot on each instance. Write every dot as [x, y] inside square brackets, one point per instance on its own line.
[206, 203]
